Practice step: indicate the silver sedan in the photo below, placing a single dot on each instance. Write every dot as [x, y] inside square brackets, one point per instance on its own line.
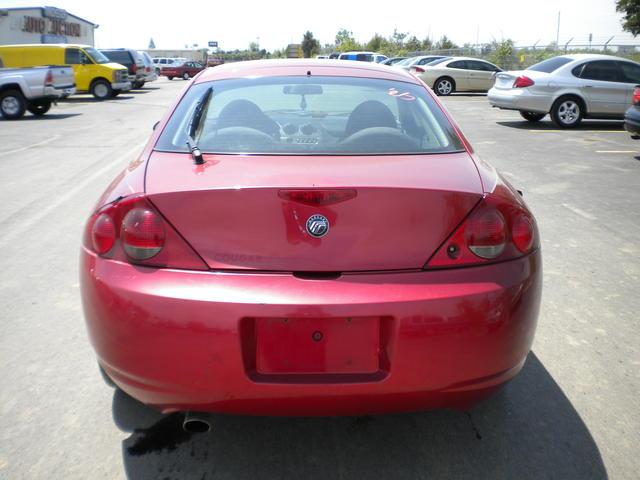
[569, 88]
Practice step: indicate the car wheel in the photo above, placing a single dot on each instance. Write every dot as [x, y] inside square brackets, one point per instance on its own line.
[444, 86]
[106, 377]
[12, 104]
[140, 84]
[115, 93]
[101, 90]
[567, 112]
[185, 76]
[169, 78]
[39, 108]
[532, 116]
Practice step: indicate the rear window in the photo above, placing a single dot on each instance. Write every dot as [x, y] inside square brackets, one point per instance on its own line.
[118, 56]
[438, 61]
[311, 116]
[550, 65]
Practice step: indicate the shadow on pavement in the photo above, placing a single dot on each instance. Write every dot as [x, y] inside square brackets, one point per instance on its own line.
[48, 116]
[586, 125]
[528, 430]
[92, 99]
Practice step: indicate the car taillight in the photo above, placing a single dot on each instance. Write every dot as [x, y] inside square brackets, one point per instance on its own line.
[318, 198]
[636, 96]
[523, 82]
[134, 68]
[103, 234]
[147, 69]
[142, 233]
[132, 230]
[499, 228]
[417, 69]
[48, 79]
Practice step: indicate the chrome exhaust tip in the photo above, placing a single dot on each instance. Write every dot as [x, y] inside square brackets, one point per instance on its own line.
[195, 422]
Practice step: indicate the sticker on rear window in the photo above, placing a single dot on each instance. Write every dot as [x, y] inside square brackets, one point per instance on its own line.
[404, 95]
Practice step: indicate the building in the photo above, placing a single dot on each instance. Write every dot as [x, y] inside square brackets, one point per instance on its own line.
[199, 55]
[44, 25]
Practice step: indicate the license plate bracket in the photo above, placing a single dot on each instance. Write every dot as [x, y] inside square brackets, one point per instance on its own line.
[343, 345]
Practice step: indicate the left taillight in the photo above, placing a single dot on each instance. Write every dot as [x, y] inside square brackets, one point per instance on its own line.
[48, 79]
[636, 95]
[499, 228]
[523, 82]
[132, 230]
[417, 70]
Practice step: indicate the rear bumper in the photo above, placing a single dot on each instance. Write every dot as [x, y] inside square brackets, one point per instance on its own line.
[61, 91]
[519, 99]
[181, 340]
[632, 120]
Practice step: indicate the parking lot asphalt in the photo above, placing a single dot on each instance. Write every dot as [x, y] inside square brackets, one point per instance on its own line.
[572, 413]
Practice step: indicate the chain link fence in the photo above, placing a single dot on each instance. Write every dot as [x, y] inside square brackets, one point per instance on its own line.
[511, 57]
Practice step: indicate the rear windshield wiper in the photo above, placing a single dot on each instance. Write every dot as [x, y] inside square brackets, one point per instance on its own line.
[195, 124]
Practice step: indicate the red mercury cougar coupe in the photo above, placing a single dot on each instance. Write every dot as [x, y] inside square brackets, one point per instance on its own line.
[310, 238]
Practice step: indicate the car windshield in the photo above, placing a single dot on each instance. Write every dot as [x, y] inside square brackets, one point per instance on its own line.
[311, 116]
[550, 64]
[96, 56]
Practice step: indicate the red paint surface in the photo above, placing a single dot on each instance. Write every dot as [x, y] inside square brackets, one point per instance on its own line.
[214, 340]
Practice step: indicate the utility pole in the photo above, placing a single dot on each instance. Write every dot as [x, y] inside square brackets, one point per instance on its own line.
[558, 32]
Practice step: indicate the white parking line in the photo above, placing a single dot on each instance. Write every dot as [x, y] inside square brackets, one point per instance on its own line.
[20, 228]
[22, 149]
[579, 211]
[617, 151]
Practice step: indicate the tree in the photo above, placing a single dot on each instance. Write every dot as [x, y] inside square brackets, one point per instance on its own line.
[445, 44]
[376, 43]
[310, 45]
[631, 15]
[413, 44]
[427, 44]
[398, 38]
[503, 53]
[345, 41]
[254, 47]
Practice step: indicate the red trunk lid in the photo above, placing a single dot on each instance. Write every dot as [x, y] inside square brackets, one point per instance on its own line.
[231, 213]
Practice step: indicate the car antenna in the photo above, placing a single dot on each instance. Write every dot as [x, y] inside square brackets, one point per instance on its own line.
[196, 154]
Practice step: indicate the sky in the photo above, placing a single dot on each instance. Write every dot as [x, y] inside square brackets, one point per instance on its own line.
[275, 24]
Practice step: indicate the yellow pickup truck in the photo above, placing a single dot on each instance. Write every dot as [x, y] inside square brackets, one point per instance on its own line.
[93, 71]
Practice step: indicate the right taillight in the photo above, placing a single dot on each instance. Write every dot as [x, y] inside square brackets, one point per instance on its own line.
[499, 228]
[522, 82]
[48, 79]
[132, 230]
[417, 70]
[636, 96]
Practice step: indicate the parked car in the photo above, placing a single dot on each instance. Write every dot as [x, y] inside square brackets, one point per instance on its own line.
[93, 71]
[569, 88]
[632, 115]
[257, 259]
[457, 74]
[33, 89]
[149, 69]
[132, 60]
[411, 63]
[363, 56]
[393, 60]
[185, 71]
[162, 62]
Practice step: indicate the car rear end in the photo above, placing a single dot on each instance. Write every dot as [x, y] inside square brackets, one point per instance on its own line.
[59, 82]
[293, 284]
[525, 90]
[632, 115]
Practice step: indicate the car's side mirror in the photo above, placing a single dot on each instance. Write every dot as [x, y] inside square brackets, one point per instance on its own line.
[156, 124]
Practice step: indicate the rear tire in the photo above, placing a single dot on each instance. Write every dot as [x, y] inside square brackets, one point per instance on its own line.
[101, 90]
[444, 86]
[169, 78]
[532, 116]
[40, 107]
[185, 76]
[12, 104]
[567, 112]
